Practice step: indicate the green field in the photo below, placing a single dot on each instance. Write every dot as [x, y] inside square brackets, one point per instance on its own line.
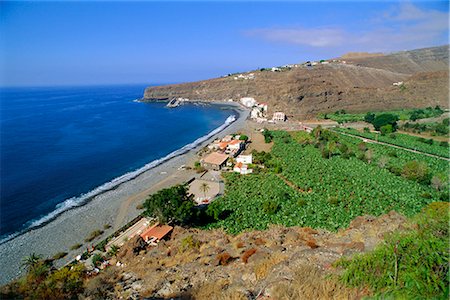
[404, 140]
[323, 192]
[342, 116]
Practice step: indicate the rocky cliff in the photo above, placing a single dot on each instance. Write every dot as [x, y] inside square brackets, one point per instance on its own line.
[360, 84]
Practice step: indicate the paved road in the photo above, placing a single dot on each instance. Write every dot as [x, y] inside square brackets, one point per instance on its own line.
[393, 146]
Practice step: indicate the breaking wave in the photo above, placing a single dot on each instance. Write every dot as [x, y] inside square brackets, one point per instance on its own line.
[113, 184]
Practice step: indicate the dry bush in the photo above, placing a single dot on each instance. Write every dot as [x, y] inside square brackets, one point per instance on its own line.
[239, 245]
[247, 254]
[218, 290]
[309, 230]
[312, 243]
[259, 242]
[224, 258]
[310, 283]
[102, 286]
[263, 268]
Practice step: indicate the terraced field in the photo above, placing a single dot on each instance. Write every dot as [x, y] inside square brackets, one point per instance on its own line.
[322, 192]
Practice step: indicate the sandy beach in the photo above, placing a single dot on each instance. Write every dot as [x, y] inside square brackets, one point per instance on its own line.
[115, 208]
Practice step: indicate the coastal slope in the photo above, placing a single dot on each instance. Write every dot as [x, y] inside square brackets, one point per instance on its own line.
[356, 83]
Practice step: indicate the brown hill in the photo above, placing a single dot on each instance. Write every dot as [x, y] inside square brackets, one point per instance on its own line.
[361, 84]
[277, 263]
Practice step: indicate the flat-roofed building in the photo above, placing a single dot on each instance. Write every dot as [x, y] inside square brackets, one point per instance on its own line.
[214, 161]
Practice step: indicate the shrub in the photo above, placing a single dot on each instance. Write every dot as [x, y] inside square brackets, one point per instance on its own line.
[333, 200]
[400, 270]
[243, 137]
[386, 129]
[247, 254]
[94, 234]
[369, 117]
[171, 204]
[270, 207]
[443, 144]
[75, 247]
[224, 258]
[267, 136]
[362, 147]
[97, 259]
[59, 255]
[385, 119]
[188, 243]
[301, 202]
[106, 226]
[417, 171]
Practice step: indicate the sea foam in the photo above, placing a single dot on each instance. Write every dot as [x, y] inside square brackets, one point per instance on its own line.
[84, 198]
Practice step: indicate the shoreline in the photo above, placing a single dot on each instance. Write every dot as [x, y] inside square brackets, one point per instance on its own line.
[115, 207]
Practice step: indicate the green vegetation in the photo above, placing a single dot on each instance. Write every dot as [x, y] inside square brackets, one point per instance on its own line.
[327, 192]
[342, 116]
[434, 128]
[404, 140]
[94, 234]
[59, 255]
[413, 264]
[243, 137]
[171, 205]
[42, 281]
[97, 259]
[75, 247]
[267, 136]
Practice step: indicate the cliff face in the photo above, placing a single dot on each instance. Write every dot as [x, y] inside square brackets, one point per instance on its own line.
[361, 84]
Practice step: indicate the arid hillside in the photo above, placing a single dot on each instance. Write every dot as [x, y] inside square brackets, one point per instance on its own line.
[360, 84]
[278, 263]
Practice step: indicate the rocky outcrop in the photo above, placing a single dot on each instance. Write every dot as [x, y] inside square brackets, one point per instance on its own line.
[277, 263]
[362, 84]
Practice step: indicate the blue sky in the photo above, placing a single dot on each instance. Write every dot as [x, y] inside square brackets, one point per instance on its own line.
[83, 43]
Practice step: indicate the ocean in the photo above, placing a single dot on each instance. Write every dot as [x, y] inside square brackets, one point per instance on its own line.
[62, 145]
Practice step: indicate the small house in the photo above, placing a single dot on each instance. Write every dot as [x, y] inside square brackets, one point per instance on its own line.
[156, 233]
[242, 169]
[214, 161]
[279, 116]
[245, 159]
[248, 101]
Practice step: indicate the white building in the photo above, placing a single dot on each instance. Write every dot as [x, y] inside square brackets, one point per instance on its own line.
[248, 101]
[275, 69]
[263, 106]
[398, 83]
[235, 145]
[242, 169]
[245, 159]
[279, 116]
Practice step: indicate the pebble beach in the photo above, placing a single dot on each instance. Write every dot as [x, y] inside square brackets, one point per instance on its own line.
[113, 208]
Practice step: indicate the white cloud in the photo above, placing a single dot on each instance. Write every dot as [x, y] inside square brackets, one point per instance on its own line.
[404, 27]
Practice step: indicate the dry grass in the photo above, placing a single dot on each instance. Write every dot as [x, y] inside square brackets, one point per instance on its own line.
[263, 268]
[224, 258]
[239, 245]
[310, 283]
[218, 290]
[247, 254]
[312, 243]
[259, 242]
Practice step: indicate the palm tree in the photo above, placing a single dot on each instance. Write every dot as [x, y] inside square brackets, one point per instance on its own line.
[204, 187]
[31, 261]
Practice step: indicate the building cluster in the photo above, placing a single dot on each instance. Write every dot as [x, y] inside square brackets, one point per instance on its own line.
[226, 155]
[244, 76]
[259, 111]
[323, 62]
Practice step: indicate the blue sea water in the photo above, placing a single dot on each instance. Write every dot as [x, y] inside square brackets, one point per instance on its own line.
[61, 143]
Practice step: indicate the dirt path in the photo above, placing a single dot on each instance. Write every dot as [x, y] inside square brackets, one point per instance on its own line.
[393, 146]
